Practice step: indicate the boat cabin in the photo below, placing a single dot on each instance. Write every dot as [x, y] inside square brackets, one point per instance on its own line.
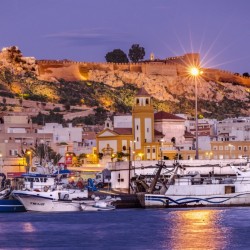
[39, 182]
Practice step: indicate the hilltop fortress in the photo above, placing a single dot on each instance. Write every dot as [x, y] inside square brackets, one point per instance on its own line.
[51, 70]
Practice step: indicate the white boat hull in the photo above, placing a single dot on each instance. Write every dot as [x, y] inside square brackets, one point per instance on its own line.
[207, 195]
[42, 204]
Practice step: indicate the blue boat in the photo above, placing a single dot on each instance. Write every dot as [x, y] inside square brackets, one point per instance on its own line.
[9, 206]
[7, 203]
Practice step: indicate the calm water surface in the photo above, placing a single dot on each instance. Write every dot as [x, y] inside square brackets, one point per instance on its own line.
[224, 228]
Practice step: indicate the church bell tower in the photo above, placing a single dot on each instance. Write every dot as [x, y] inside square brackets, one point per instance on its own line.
[143, 119]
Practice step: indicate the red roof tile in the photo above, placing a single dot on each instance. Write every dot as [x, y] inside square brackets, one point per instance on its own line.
[188, 134]
[142, 92]
[164, 115]
[123, 131]
[158, 133]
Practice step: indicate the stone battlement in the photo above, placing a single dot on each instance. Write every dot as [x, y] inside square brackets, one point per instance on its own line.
[172, 66]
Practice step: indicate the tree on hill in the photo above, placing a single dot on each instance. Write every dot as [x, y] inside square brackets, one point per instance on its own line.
[41, 119]
[136, 53]
[117, 56]
[246, 74]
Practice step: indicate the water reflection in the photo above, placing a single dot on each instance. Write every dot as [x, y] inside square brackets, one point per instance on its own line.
[28, 227]
[198, 229]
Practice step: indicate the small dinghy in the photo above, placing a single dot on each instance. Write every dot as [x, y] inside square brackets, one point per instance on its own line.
[98, 205]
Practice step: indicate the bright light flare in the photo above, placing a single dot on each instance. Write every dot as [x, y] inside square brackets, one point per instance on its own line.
[195, 71]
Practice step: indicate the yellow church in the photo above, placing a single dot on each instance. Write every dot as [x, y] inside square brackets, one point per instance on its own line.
[132, 136]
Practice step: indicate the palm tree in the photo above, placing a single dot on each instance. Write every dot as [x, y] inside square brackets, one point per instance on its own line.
[44, 153]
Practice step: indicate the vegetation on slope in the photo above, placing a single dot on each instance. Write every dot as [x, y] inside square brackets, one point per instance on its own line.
[104, 98]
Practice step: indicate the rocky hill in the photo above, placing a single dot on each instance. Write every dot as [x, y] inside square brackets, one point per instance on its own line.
[113, 87]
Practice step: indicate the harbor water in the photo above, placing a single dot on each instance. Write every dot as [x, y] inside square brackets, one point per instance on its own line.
[199, 228]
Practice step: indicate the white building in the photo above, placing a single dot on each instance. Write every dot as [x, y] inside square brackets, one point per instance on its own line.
[234, 129]
[62, 134]
[171, 126]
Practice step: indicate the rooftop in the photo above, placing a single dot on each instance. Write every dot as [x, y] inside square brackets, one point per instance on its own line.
[164, 115]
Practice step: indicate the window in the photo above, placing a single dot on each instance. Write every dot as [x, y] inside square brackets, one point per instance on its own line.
[120, 179]
[239, 148]
[13, 152]
[137, 101]
[215, 148]
[147, 130]
[137, 127]
[147, 102]
[148, 150]
[124, 148]
[153, 150]
[220, 147]
[137, 139]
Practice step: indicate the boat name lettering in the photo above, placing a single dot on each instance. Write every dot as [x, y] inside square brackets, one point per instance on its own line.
[37, 203]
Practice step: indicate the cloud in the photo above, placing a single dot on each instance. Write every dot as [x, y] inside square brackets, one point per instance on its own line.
[94, 37]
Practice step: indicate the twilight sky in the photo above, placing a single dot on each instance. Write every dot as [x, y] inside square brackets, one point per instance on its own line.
[85, 30]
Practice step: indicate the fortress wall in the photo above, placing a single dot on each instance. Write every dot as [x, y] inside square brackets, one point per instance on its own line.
[223, 75]
[160, 68]
[136, 68]
[245, 81]
[121, 67]
[187, 59]
[73, 71]
[52, 71]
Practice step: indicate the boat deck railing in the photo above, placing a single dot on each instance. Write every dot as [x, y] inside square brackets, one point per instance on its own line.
[210, 180]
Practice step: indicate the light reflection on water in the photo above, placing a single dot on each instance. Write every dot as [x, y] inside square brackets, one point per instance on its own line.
[129, 229]
[198, 229]
[28, 227]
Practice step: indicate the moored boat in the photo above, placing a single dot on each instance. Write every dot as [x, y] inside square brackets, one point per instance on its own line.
[47, 193]
[192, 190]
[7, 203]
[11, 205]
[98, 204]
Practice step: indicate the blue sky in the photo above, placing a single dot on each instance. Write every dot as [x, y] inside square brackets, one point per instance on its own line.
[85, 30]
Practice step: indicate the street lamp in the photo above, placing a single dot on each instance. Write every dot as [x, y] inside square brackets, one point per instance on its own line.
[196, 72]
[140, 155]
[208, 155]
[28, 152]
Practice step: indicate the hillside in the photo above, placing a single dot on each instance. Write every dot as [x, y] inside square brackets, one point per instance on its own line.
[114, 90]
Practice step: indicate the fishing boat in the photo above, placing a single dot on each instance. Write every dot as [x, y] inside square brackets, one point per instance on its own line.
[7, 203]
[11, 205]
[192, 190]
[48, 193]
